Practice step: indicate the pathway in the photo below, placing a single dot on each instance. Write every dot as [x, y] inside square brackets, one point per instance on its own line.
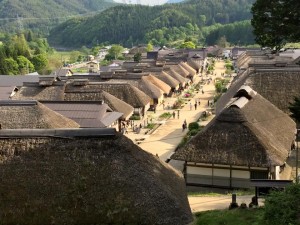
[166, 138]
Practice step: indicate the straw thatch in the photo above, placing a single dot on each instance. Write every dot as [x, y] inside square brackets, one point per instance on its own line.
[180, 70]
[114, 103]
[158, 83]
[31, 114]
[250, 132]
[191, 70]
[33, 91]
[123, 91]
[81, 179]
[169, 80]
[182, 80]
[278, 85]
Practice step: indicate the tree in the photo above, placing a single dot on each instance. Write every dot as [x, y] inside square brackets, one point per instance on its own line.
[276, 22]
[115, 51]
[25, 66]
[137, 57]
[11, 66]
[188, 44]
[39, 61]
[149, 47]
[282, 207]
[295, 109]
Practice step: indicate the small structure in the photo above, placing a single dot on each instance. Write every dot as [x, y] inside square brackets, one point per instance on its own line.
[93, 66]
[249, 139]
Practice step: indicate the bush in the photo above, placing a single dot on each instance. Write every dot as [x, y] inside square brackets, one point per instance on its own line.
[193, 132]
[135, 117]
[283, 207]
[193, 126]
[165, 115]
[150, 125]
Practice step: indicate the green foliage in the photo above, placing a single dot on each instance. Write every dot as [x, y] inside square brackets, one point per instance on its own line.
[232, 217]
[165, 115]
[115, 51]
[149, 47]
[295, 109]
[283, 207]
[161, 24]
[276, 23]
[135, 117]
[25, 66]
[188, 45]
[44, 15]
[39, 61]
[137, 57]
[193, 126]
[150, 125]
[11, 66]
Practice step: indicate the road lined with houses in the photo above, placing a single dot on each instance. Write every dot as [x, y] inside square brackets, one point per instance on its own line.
[164, 141]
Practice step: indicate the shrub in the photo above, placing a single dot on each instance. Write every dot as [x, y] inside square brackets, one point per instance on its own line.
[193, 126]
[135, 117]
[165, 115]
[150, 125]
[193, 132]
[283, 207]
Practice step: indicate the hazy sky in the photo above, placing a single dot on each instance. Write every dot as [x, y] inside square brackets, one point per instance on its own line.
[144, 2]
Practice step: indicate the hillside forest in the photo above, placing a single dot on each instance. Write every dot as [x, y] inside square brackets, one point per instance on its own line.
[203, 21]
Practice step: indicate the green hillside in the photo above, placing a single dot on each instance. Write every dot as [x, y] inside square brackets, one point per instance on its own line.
[130, 23]
[41, 15]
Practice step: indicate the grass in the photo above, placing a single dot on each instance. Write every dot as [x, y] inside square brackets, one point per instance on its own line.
[231, 217]
[165, 115]
[214, 194]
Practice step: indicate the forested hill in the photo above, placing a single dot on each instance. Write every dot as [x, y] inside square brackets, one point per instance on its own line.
[129, 23]
[42, 15]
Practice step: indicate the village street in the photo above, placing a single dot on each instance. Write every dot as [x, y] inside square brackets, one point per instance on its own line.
[166, 138]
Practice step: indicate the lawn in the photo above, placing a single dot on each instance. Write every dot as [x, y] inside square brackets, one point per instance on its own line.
[231, 217]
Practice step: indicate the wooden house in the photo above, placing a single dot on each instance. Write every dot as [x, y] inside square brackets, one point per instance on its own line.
[249, 139]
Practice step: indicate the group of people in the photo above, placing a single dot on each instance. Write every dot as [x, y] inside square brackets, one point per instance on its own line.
[197, 102]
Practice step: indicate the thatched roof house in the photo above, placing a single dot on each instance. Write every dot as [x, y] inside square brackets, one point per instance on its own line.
[123, 91]
[169, 80]
[182, 80]
[278, 85]
[180, 70]
[250, 134]
[54, 90]
[191, 70]
[166, 88]
[89, 114]
[86, 176]
[30, 115]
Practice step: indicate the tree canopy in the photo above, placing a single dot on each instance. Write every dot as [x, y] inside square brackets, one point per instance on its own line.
[276, 22]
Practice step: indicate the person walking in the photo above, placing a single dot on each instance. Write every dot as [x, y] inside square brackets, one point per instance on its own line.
[191, 106]
[178, 114]
[173, 114]
[195, 105]
[183, 127]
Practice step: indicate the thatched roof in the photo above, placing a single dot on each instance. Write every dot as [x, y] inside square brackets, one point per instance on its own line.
[31, 114]
[73, 177]
[194, 64]
[123, 91]
[278, 85]
[114, 103]
[158, 83]
[249, 132]
[180, 70]
[182, 80]
[88, 114]
[169, 80]
[191, 70]
[34, 91]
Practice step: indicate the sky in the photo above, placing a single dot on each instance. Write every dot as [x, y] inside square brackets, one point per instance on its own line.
[144, 2]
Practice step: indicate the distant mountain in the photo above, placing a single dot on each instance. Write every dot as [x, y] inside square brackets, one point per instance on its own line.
[142, 2]
[42, 15]
[129, 23]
